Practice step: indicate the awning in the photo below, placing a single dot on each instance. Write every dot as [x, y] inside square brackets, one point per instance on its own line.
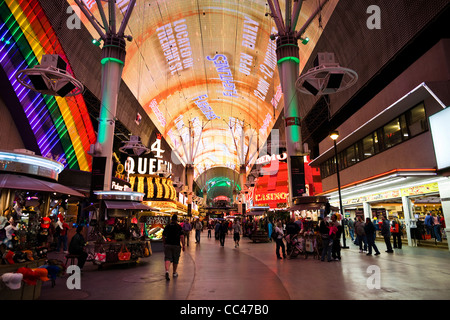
[128, 205]
[306, 206]
[14, 181]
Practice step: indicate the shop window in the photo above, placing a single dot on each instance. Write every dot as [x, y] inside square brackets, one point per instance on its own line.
[417, 120]
[368, 146]
[351, 156]
[392, 133]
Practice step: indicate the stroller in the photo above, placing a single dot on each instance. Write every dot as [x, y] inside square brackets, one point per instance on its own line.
[295, 246]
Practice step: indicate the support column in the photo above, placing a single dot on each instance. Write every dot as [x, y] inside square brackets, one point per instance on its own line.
[190, 184]
[367, 209]
[288, 68]
[113, 58]
[444, 192]
[410, 221]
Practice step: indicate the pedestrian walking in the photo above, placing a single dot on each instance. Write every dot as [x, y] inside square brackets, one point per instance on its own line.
[187, 227]
[360, 234]
[386, 233]
[198, 226]
[370, 231]
[217, 230]
[279, 240]
[173, 240]
[210, 226]
[223, 232]
[236, 232]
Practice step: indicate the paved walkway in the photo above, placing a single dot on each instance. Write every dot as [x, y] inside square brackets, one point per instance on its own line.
[208, 271]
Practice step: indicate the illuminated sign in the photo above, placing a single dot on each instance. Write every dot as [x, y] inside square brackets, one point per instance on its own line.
[223, 68]
[176, 46]
[148, 164]
[267, 68]
[272, 196]
[155, 108]
[266, 159]
[203, 105]
[266, 124]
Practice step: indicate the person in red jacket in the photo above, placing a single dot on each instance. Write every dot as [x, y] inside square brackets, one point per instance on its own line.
[396, 233]
[61, 231]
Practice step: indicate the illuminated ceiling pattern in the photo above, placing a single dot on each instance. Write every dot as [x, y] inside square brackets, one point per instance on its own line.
[208, 63]
[61, 126]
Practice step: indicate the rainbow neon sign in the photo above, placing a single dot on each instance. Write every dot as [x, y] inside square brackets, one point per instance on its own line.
[62, 126]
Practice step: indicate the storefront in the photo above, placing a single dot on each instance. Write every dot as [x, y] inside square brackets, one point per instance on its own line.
[408, 198]
[31, 203]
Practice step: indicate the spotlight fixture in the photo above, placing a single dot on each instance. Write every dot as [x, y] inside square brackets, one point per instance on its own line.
[134, 147]
[326, 77]
[50, 77]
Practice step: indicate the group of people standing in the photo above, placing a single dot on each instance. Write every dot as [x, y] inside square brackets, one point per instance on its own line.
[220, 228]
[330, 233]
[433, 225]
[365, 234]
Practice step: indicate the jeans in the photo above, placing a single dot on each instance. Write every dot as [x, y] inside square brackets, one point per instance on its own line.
[280, 244]
[186, 237]
[327, 244]
[371, 244]
[437, 232]
[197, 235]
[62, 240]
[397, 238]
[362, 240]
[352, 233]
[336, 249]
[222, 238]
[387, 240]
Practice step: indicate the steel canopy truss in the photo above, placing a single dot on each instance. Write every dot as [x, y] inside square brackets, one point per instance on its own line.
[113, 60]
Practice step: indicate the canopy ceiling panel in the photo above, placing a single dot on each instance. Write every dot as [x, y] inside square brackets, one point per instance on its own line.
[208, 63]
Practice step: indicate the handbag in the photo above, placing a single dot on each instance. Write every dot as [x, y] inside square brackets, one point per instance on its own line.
[124, 254]
[100, 257]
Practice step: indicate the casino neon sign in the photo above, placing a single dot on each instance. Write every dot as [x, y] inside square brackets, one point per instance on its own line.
[271, 196]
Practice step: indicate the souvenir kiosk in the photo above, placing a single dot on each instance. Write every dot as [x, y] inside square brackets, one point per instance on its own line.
[119, 238]
[28, 183]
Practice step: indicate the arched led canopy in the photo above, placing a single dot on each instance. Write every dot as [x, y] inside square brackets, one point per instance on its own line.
[199, 60]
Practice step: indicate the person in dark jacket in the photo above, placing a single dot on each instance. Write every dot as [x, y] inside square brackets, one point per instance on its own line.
[370, 230]
[386, 233]
[223, 232]
[327, 241]
[77, 245]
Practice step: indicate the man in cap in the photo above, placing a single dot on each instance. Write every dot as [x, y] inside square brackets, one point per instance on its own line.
[173, 240]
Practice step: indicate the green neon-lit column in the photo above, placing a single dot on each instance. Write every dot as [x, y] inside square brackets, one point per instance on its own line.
[288, 68]
[113, 57]
[190, 184]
